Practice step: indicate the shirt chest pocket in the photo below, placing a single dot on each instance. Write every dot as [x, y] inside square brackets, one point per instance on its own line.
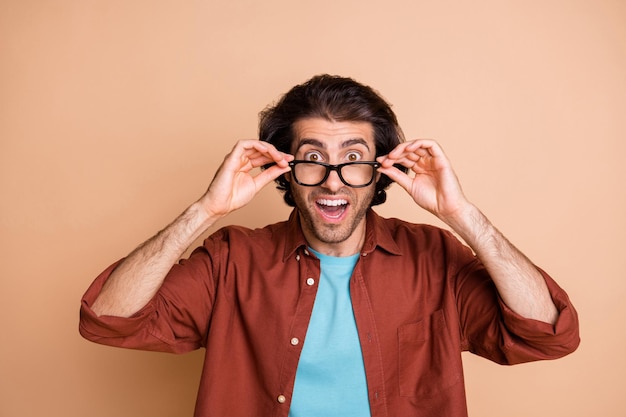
[429, 358]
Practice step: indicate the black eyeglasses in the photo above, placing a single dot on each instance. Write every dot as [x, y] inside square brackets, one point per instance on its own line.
[353, 174]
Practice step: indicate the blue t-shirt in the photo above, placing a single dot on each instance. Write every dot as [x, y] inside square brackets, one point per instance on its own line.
[330, 379]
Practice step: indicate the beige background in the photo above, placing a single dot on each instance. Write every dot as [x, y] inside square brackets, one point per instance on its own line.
[115, 114]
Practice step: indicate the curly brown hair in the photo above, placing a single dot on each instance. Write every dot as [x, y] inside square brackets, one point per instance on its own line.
[332, 98]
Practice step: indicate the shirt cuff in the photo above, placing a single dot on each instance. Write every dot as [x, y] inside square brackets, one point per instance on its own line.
[101, 329]
[562, 336]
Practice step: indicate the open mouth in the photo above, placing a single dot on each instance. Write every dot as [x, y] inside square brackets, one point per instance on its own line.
[332, 209]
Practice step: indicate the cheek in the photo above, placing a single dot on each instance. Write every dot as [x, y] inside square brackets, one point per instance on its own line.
[297, 192]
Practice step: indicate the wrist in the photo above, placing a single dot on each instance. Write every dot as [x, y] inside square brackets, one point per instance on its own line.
[202, 214]
[469, 223]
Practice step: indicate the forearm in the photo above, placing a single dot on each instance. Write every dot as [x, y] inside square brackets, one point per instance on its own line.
[139, 276]
[435, 188]
[520, 285]
[137, 279]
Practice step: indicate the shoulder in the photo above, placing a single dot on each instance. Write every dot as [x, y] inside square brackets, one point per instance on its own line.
[400, 229]
[249, 236]
[399, 237]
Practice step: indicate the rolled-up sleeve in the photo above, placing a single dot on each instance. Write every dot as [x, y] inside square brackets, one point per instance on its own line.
[543, 340]
[175, 320]
[491, 329]
[128, 332]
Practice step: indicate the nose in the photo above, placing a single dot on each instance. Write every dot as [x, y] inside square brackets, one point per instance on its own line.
[333, 182]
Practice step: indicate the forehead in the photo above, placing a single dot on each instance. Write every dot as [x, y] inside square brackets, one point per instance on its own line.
[318, 132]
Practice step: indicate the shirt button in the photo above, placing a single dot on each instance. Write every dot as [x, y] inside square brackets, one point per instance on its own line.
[310, 281]
[294, 341]
[306, 252]
[281, 399]
[298, 258]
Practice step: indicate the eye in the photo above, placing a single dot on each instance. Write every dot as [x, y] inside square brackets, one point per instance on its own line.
[353, 157]
[312, 156]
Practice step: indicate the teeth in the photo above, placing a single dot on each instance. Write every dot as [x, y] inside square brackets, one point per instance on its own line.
[332, 203]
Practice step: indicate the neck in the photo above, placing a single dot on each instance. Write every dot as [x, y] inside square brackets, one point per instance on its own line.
[350, 246]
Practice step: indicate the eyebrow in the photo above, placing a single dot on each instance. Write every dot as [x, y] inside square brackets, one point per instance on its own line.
[345, 144]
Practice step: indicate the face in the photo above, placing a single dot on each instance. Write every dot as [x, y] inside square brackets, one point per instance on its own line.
[332, 213]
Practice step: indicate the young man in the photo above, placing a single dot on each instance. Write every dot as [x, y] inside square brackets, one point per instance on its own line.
[336, 311]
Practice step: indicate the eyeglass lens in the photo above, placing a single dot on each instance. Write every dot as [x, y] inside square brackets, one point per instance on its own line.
[311, 173]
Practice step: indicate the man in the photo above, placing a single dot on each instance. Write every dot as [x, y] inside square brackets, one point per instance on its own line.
[336, 311]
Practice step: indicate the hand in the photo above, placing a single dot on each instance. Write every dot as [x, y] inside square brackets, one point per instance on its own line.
[430, 181]
[234, 184]
[136, 280]
[435, 187]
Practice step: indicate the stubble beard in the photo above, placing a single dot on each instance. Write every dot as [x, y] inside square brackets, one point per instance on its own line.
[331, 233]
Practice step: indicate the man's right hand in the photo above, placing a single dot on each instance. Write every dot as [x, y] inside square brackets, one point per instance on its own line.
[234, 184]
[140, 275]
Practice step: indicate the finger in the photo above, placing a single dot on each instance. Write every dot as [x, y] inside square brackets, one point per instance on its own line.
[270, 151]
[408, 160]
[268, 175]
[404, 161]
[254, 153]
[421, 147]
[396, 175]
[262, 161]
[428, 148]
[418, 155]
[412, 150]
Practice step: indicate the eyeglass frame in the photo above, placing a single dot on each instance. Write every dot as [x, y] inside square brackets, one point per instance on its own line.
[337, 168]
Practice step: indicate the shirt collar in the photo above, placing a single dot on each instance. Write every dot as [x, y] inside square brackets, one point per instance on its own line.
[376, 235]
[294, 238]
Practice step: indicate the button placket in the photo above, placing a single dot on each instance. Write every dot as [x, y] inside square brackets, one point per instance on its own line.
[308, 286]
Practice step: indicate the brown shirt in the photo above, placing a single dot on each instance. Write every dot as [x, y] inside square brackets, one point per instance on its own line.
[419, 296]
